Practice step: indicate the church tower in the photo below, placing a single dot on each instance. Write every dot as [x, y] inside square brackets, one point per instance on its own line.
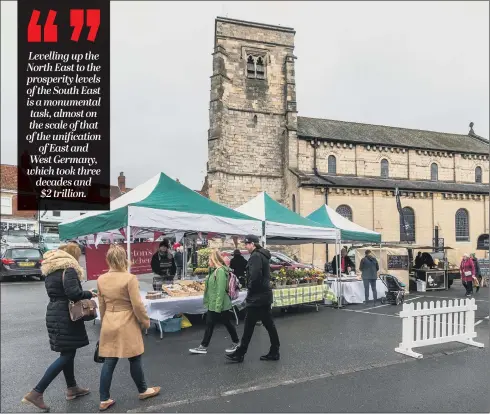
[252, 139]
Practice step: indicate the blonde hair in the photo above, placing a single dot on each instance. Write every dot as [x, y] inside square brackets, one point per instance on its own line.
[216, 258]
[72, 249]
[116, 258]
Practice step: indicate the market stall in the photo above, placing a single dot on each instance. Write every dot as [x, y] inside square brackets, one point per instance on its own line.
[183, 297]
[282, 226]
[346, 287]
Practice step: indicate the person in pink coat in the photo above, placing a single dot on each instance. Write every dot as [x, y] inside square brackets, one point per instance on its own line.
[467, 271]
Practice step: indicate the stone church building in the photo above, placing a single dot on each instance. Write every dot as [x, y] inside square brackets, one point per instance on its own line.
[257, 142]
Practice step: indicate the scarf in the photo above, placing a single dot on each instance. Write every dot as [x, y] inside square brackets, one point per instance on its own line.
[59, 260]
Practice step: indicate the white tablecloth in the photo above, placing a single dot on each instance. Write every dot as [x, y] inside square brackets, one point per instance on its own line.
[166, 308]
[353, 292]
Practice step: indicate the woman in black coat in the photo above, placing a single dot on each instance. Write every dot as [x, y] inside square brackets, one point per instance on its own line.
[65, 336]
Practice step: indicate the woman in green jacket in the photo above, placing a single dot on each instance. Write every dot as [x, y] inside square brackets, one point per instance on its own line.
[218, 303]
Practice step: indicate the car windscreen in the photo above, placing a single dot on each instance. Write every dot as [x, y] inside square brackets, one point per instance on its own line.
[51, 240]
[25, 254]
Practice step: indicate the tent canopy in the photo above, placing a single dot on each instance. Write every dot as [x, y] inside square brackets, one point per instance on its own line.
[166, 205]
[349, 231]
[283, 226]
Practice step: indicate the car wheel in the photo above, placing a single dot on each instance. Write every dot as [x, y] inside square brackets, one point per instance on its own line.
[42, 278]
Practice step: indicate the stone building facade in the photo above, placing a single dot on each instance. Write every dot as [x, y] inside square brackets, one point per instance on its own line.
[257, 142]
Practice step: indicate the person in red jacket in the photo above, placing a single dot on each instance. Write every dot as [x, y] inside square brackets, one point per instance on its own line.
[467, 271]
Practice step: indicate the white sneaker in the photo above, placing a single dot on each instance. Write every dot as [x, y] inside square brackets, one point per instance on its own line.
[232, 348]
[199, 350]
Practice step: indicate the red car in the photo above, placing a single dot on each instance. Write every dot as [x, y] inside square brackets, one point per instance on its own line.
[277, 263]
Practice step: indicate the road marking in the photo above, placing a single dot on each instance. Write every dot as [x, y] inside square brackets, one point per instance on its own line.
[370, 313]
[379, 306]
[158, 408]
[446, 297]
[416, 297]
[18, 283]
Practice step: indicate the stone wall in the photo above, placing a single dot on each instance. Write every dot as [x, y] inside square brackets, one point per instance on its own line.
[376, 210]
[403, 163]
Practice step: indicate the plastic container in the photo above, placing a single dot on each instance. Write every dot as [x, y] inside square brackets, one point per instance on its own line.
[172, 325]
[421, 286]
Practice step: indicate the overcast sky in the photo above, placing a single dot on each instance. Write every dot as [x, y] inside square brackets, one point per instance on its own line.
[419, 65]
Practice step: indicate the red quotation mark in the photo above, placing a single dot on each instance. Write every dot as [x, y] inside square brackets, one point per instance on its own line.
[34, 28]
[77, 22]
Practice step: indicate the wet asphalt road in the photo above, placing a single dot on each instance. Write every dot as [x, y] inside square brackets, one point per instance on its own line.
[332, 360]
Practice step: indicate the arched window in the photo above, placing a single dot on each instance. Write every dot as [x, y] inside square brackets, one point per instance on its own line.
[294, 203]
[462, 225]
[332, 164]
[256, 67]
[250, 67]
[345, 211]
[478, 175]
[259, 68]
[407, 225]
[434, 172]
[385, 169]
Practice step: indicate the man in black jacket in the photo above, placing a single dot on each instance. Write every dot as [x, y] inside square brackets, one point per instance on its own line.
[163, 262]
[259, 301]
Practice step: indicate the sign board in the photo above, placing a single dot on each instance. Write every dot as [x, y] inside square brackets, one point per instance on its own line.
[483, 242]
[436, 279]
[141, 254]
[397, 262]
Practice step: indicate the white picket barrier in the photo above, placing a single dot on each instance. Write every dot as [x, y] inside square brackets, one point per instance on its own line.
[432, 325]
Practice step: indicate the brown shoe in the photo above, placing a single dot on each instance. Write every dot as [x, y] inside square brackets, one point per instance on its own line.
[75, 392]
[35, 398]
[149, 393]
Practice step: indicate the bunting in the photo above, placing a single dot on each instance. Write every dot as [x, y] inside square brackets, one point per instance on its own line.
[123, 232]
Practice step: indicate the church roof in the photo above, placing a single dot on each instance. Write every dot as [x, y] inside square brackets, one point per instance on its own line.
[352, 132]
[346, 181]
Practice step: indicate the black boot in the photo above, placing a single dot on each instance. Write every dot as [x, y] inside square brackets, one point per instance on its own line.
[271, 356]
[235, 357]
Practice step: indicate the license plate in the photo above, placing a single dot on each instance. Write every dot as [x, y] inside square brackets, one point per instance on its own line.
[26, 264]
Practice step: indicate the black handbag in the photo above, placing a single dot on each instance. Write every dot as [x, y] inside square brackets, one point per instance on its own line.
[97, 358]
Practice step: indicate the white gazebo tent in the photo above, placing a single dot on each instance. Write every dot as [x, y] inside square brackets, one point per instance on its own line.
[283, 226]
[161, 204]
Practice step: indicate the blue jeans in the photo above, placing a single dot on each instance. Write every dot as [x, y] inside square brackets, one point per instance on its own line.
[135, 368]
[65, 363]
[367, 283]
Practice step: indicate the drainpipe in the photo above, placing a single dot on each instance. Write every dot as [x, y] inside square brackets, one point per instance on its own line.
[317, 174]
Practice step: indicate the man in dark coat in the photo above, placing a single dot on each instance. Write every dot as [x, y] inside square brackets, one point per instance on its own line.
[344, 261]
[369, 267]
[259, 301]
[238, 264]
[163, 262]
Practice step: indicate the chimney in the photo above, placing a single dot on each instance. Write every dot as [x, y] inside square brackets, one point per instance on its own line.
[121, 182]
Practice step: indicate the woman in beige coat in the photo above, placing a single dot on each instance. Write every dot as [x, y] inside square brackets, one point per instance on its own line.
[122, 314]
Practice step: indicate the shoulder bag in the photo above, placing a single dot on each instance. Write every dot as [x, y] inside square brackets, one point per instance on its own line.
[85, 309]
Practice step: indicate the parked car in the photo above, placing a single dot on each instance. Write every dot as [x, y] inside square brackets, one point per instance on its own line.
[21, 262]
[49, 242]
[10, 241]
[276, 262]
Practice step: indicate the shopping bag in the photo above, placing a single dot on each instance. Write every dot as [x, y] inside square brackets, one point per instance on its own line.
[476, 283]
[185, 322]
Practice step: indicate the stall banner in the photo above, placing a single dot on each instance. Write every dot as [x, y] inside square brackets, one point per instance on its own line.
[141, 254]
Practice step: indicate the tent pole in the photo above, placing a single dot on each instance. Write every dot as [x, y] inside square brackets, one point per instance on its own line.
[184, 262]
[264, 237]
[128, 245]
